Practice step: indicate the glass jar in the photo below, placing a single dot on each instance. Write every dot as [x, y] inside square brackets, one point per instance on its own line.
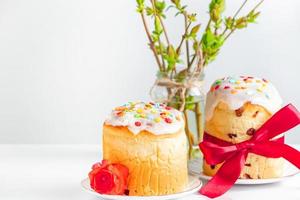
[188, 97]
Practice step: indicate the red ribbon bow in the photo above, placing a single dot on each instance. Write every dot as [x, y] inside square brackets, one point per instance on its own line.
[234, 155]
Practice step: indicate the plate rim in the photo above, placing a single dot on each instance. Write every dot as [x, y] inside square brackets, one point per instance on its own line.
[251, 181]
[195, 181]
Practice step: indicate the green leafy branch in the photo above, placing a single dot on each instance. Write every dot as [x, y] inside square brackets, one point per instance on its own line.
[202, 49]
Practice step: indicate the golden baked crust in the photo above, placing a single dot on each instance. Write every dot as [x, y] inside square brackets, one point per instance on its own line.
[236, 126]
[157, 163]
[227, 125]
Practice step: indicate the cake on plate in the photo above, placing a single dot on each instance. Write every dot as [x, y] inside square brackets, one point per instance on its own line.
[235, 108]
[149, 140]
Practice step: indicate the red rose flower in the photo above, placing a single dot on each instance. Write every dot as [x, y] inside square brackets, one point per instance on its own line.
[107, 178]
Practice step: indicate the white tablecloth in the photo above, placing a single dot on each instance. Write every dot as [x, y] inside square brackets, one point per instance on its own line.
[42, 172]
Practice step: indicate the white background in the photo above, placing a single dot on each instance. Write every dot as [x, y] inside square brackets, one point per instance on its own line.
[65, 63]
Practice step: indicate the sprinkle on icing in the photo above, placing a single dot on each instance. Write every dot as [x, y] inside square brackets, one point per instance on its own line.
[235, 91]
[156, 118]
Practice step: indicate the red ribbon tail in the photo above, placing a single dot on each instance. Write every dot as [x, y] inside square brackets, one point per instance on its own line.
[292, 155]
[273, 149]
[225, 178]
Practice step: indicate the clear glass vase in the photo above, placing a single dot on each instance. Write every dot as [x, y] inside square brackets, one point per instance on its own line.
[193, 109]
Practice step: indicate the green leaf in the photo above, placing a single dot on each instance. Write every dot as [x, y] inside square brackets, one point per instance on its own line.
[218, 23]
[176, 2]
[208, 38]
[229, 23]
[189, 103]
[154, 37]
[211, 45]
[180, 76]
[193, 33]
[195, 29]
[160, 6]
[157, 26]
[179, 7]
[140, 2]
[216, 8]
[140, 5]
[149, 11]
[252, 16]
[241, 22]
[192, 17]
[189, 106]
[217, 4]
[171, 52]
[171, 57]
[160, 49]
[195, 45]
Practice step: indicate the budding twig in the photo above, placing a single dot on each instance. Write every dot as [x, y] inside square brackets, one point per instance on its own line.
[151, 43]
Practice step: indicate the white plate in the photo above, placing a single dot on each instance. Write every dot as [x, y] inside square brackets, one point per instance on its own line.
[193, 186]
[195, 167]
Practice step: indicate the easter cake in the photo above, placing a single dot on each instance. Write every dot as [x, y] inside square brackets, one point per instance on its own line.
[149, 140]
[235, 108]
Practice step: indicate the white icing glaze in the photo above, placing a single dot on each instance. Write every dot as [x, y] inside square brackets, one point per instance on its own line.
[153, 117]
[236, 91]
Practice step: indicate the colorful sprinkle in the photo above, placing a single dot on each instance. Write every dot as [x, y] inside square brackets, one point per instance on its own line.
[140, 110]
[232, 81]
[148, 105]
[149, 124]
[218, 82]
[233, 91]
[168, 108]
[259, 90]
[137, 123]
[226, 87]
[168, 120]
[265, 80]
[121, 108]
[157, 120]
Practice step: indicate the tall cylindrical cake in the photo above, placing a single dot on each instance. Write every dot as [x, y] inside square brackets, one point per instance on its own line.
[235, 108]
[149, 139]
